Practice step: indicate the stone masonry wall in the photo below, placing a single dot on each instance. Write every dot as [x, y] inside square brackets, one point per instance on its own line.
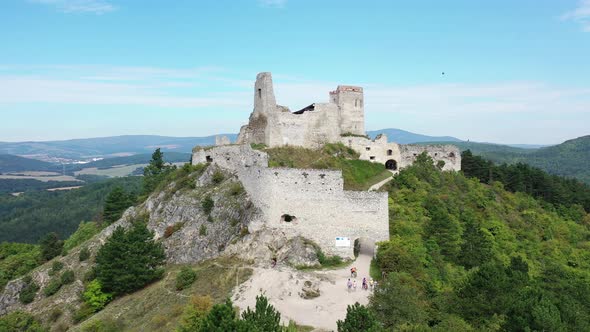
[321, 209]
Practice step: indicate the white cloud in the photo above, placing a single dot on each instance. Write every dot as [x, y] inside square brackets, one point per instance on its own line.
[273, 3]
[581, 15]
[79, 6]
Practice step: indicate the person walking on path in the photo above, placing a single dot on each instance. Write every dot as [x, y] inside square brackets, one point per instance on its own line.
[349, 285]
[354, 285]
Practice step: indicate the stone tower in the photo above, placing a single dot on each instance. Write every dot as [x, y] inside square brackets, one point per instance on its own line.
[350, 101]
[264, 96]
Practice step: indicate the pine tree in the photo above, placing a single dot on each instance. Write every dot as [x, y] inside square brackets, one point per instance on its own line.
[265, 316]
[155, 172]
[117, 201]
[358, 318]
[129, 260]
[51, 246]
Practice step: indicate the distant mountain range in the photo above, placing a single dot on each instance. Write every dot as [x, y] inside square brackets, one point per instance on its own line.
[570, 158]
[80, 149]
[106, 147]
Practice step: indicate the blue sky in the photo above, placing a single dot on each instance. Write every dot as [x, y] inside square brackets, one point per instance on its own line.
[515, 71]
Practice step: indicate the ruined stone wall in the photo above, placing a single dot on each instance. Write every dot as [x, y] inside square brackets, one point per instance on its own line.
[311, 129]
[401, 155]
[321, 208]
[449, 154]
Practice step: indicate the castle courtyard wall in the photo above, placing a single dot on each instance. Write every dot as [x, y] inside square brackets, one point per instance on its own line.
[321, 208]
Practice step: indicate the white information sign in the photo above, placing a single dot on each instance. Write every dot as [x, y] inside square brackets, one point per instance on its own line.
[342, 241]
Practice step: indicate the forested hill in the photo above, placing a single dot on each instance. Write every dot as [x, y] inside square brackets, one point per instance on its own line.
[11, 163]
[570, 158]
[30, 216]
[466, 256]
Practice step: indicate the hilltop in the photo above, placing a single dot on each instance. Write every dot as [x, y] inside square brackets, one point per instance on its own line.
[570, 158]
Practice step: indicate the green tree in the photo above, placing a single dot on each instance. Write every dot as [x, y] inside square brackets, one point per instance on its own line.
[265, 317]
[477, 245]
[358, 318]
[51, 246]
[195, 313]
[399, 300]
[444, 228]
[155, 172]
[121, 273]
[116, 202]
[94, 297]
[221, 318]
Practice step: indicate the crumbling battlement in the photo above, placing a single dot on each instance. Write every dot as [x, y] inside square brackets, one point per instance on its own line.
[312, 126]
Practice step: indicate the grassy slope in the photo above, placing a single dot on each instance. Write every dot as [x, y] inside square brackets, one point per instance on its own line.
[159, 306]
[357, 174]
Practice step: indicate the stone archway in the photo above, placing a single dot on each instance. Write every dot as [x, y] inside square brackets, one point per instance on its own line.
[366, 246]
[391, 165]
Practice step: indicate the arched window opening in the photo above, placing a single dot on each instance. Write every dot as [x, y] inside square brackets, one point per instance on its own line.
[209, 159]
[452, 155]
[391, 165]
[389, 152]
[259, 93]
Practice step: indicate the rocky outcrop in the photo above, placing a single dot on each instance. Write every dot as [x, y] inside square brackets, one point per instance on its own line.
[264, 245]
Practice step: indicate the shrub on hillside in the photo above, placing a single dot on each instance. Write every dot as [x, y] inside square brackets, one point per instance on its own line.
[20, 321]
[56, 266]
[194, 313]
[207, 204]
[217, 177]
[52, 287]
[28, 293]
[67, 277]
[84, 254]
[185, 278]
[203, 230]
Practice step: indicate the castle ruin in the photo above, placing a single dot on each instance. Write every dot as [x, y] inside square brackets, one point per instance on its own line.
[310, 202]
[340, 120]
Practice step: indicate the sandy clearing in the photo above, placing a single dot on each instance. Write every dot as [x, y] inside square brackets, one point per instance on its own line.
[282, 286]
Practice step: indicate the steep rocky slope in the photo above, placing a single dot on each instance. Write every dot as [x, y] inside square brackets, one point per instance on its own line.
[196, 218]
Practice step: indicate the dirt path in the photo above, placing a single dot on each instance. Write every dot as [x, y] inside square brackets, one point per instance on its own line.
[282, 286]
[378, 185]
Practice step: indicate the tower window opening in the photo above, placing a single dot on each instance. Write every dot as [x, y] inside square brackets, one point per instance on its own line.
[259, 93]
[209, 159]
[368, 148]
[389, 152]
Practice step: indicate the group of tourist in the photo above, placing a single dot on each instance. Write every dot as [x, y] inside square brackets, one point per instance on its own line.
[366, 285]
